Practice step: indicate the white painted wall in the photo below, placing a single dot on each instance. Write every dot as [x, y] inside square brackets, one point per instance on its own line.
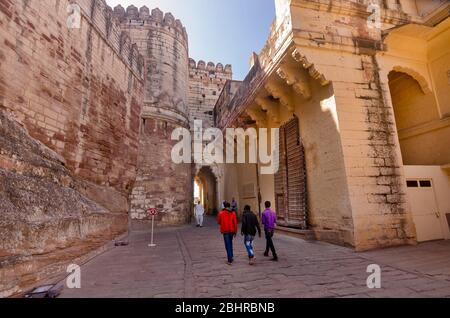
[441, 184]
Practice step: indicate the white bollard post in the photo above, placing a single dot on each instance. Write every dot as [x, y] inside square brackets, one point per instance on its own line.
[152, 244]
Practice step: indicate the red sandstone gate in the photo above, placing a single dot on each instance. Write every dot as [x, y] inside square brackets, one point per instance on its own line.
[290, 181]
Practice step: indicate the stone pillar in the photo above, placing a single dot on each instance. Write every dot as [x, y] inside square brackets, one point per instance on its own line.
[371, 150]
[373, 160]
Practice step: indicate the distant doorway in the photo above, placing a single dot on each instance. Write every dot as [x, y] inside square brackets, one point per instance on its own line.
[205, 190]
[425, 210]
[421, 141]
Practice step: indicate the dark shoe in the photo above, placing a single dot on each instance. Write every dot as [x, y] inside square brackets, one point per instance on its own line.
[198, 225]
[266, 254]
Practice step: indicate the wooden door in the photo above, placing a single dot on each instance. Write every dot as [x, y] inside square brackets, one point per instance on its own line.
[290, 181]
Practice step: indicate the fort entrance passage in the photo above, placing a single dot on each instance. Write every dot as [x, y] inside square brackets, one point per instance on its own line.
[86, 118]
[190, 262]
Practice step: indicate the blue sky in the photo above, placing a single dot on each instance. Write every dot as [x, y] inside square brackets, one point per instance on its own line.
[219, 31]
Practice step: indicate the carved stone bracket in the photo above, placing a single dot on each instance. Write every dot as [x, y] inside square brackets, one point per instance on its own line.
[297, 79]
[313, 72]
[278, 92]
[272, 108]
[257, 115]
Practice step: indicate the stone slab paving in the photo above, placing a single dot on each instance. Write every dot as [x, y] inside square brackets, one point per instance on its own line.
[190, 262]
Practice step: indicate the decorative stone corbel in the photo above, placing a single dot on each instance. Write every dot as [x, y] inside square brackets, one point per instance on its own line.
[272, 108]
[280, 93]
[297, 79]
[257, 115]
[313, 72]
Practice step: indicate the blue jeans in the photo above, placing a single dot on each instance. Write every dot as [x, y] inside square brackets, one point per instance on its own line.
[228, 238]
[248, 241]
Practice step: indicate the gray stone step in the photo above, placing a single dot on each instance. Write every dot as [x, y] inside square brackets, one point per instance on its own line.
[307, 235]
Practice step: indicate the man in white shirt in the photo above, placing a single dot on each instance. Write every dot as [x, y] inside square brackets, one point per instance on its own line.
[199, 213]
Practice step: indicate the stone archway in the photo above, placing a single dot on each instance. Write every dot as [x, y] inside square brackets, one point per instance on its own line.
[416, 113]
[206, 184]
[422, 136]
[421, 80]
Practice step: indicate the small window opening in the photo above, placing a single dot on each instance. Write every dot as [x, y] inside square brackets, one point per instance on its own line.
[425, 184]
[412, 184]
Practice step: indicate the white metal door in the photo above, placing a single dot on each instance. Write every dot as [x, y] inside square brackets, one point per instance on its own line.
[425, 211]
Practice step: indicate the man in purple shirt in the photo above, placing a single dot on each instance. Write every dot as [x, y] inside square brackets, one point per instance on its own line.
[269, 220]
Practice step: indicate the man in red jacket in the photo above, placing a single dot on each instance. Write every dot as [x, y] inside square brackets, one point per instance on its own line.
[228, 227]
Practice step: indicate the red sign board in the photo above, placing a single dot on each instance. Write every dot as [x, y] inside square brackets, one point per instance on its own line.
[152, 212]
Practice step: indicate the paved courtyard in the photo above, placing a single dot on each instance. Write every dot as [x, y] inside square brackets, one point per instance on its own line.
[190, 262]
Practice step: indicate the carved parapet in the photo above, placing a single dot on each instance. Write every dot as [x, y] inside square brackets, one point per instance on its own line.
[280, 93]
[192, 64]
[134, 16]
[210, 67]
[144, 13]
[132, 12]
[169, 19]
[313, 72]
[157, 15]
[119, 12]
[201, 65]
[297, 79]
[228, 69]
[219, 68]
[107, 22]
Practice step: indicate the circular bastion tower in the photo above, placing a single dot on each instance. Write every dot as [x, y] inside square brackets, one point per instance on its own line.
[160, 183]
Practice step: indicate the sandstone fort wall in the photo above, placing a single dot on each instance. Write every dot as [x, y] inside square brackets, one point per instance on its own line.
[206, 82]
[78, 91]
[70, 104]
[161, 184]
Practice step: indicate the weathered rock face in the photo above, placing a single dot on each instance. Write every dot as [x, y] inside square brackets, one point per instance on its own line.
[87, 114]
[42, 210]
[71, 98]
[77, 90]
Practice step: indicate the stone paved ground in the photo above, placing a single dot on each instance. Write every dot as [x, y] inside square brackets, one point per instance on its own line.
[190, 262]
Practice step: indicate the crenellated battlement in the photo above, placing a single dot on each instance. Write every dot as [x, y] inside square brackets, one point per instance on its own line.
[101, 16]
[143, 16]
[202, 66]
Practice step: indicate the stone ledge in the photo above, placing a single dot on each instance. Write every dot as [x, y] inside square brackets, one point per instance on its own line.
[307, 235]
[424, 128]
[59, 268]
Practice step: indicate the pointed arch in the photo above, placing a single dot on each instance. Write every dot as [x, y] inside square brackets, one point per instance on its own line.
[426, 89]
